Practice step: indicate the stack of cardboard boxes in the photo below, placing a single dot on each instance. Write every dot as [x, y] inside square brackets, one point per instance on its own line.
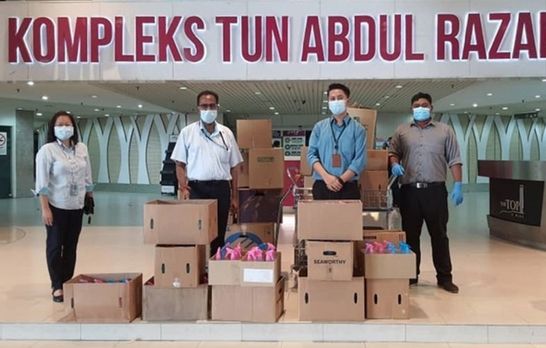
[374, 180]
[181, 230]
[244, 290]
[261, 178]
[387, 278]
[330, 290]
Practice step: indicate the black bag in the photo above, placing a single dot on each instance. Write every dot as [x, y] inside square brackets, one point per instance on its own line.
[88, 205]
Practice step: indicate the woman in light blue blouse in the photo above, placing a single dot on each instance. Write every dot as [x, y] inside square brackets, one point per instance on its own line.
[63, 179]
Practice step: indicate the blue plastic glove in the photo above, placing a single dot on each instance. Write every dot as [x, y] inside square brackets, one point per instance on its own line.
[457, 193]
[397, 170]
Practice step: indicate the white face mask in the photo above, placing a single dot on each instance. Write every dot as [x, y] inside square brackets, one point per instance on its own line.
[63, 132]
[208, 116]
[421, 113]
[337, 107]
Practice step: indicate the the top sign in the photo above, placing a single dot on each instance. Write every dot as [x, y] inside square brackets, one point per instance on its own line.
[257, 40]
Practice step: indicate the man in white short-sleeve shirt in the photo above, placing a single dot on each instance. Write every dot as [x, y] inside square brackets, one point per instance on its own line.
[206, 156]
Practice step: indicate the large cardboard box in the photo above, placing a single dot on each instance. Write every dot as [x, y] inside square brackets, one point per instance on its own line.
[321, 300]
[368, 119]
[389, 266]
[248, 303]
[244, 273]
[243, 177]
[377, 160]
[192, 221]
[266, 168]
[182, 263]
[384, 235]
[374, 180]
[329, 260]
[118, 299]
[387, 299]
[254, 133]
[265, 231]
[161, 304]
[330, 220]
[305, 168]
[259, 205]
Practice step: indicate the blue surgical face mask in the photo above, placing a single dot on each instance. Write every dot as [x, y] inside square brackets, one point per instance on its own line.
[337, 107]
[63, 132]
[421, 114]
[208, 116]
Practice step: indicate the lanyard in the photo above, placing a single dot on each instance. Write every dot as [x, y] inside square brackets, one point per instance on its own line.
[71, 159]
[336, 140]
[214, 142]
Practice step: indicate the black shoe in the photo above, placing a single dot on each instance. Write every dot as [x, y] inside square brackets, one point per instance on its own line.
[413, 281]
[449, 287]
[57, 298]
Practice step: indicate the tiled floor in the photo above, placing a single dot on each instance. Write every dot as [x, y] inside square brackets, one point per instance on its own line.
[501, 284]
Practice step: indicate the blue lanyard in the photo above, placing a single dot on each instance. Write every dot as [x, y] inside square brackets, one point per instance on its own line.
[214, 142]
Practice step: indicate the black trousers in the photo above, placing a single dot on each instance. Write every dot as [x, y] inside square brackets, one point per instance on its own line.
[61, 244]
[348, 191]
[221, 191]
[428, 205]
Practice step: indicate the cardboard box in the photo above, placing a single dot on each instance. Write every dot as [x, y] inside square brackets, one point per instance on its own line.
[330, 220]
[254, 133]
[266, 168]
[374, 180]
[389, 266]
[183, 262]
[117, 300]
[305, 168]
[377, 160]
[244, 273]
[368, 119]
[384, 235]
[387, 299]
[265, 231]
[243, 178]
[329, 260]
[192, 221]
[321, 300]
[259, 205]
[160, 304]
[247, 303]
[308, 182]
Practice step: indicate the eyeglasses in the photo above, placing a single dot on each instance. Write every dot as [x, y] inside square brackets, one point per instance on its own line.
[208, 106]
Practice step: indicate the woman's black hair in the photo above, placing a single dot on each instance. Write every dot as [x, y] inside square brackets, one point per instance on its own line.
[51, 127]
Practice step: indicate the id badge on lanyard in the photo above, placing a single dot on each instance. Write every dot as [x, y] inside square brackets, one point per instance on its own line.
[336, 157]
[336, 160]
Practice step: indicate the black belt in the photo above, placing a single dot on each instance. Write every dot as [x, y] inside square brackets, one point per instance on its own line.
[422, 185]
[208, 182]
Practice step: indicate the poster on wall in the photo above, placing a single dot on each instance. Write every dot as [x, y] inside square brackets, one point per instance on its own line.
[293, 140]
[3, 143]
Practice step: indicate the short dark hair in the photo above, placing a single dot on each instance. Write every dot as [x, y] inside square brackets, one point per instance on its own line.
[344, 88]
[51, 127]
[421, 95]
[207, 92]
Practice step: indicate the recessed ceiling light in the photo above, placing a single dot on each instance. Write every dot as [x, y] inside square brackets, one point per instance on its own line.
[118, 106]
[140, 106]
[68, 112]
[543, 80]
[489, 94]
[30, 83]
[97, 110]
[474, 105]
[257, 92]
[505, 107]
[79, 117]
[537, 96]
[387, 96]
[377, 104]
[183, 87]
[228, 110]
[19, 109]
[325, 101]
[39, 114]
[398, 86]
[93, 96]
[325, 92]
[537, 109]
[276, 112]
[451, 104]
[324, 108]
[497, 113]
[45, 97]
[106, 115]
[271, 108]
